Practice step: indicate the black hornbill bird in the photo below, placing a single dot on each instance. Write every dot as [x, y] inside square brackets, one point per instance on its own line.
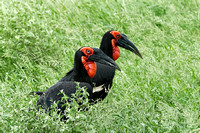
[103, 79]
[84, 69]
[105, 74]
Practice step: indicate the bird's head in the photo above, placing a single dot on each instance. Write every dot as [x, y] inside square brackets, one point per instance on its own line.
[112, 39]
[91, 55]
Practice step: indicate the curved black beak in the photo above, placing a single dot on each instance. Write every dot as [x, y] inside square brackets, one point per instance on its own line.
[100, 57]
[124, 42]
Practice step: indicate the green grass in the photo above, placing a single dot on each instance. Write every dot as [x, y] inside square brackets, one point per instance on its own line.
[160, 93]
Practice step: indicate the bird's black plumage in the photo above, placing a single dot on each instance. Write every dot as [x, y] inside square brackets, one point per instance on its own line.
[78, 74]
[54, 94]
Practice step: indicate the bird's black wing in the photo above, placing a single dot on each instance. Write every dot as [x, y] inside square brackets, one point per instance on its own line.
[53, 94]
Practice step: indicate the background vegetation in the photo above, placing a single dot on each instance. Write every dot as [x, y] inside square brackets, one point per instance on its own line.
[160, 93]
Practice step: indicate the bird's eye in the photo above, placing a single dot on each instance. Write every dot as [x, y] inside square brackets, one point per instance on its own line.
[87, 51]
[117, 35]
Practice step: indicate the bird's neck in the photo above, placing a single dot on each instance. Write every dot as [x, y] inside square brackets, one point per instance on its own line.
[110, 48]
[84, 70]
[115, 50]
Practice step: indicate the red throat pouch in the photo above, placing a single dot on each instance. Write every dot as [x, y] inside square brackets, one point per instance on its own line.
[115, 50]
[90, 66]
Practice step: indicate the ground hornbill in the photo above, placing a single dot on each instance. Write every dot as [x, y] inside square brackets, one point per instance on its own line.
[105, 74]
[103, 79]
[84, 69]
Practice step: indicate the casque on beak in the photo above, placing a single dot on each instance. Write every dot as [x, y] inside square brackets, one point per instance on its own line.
[124, 42]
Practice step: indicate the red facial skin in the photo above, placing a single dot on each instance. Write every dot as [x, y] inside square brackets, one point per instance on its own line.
[90, 66]
[115, 49]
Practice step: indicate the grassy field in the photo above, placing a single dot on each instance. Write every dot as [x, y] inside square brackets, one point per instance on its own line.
[160, 93]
